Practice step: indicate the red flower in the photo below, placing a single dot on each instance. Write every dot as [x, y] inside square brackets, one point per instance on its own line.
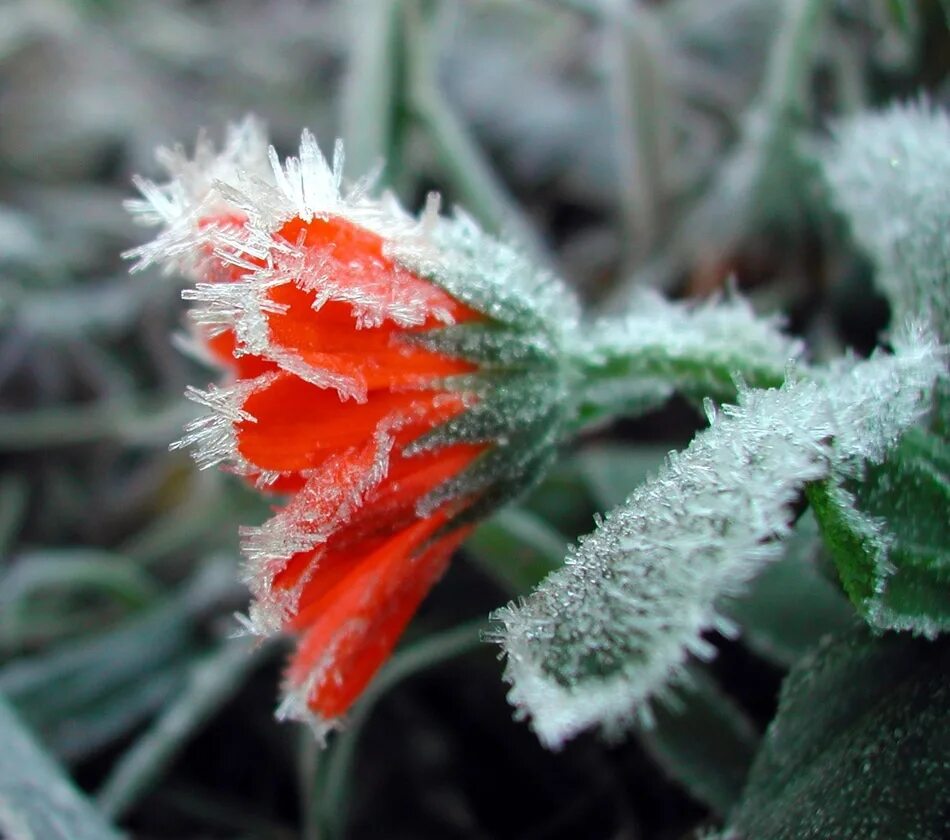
[371, 380]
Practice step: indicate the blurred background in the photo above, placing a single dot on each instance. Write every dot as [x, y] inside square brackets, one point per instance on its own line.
[626, 144]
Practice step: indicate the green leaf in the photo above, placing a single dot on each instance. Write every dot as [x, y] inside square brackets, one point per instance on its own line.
[612, 471]
[210, 682]
[770, 613]
[858, 748]
[37, 800]
[518, 548]
[889, 535]
[707, 743]
[86, 687]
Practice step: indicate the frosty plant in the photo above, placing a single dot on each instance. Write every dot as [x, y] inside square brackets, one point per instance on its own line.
[396, 378]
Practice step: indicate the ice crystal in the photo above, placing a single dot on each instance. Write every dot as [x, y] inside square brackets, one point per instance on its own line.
[491, 276]
[612, 630]
[889, 172]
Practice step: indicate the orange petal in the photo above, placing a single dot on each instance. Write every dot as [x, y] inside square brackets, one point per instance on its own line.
[223, 347]
[360, 623]
[298, 424]
[354, 258]
[408, 481]
[387, 509]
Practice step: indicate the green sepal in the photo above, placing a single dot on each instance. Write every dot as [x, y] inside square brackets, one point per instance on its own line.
[515, 402]
[503, 471]
[489, 345]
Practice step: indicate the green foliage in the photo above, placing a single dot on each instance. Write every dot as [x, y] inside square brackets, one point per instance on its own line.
[84, 693]
[889, 534]
[771, 611]
[705, 742]
[858, 748]
[517, 548]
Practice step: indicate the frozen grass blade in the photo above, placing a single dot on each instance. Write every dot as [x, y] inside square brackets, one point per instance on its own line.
[760, 180]
[37, 800]
[209, 683]
[82, 682]
[373, 87]
[135, 422]
[634, 49]
[464, 163]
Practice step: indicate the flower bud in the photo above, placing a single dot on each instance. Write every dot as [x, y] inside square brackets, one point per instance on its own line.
[395, 377]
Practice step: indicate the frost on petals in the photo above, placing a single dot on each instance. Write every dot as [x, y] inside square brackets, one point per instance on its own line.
[367, 356]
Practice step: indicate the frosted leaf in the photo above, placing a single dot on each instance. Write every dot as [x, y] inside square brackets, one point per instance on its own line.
[897, 385]
[612, 630]
[889, 535]
[604, 634]
[889, 172]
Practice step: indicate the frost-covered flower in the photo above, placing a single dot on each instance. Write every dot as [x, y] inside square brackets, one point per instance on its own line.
[395, 377]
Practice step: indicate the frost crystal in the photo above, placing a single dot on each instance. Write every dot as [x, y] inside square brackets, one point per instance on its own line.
[890, 174]
[695, 348]
[612, 630]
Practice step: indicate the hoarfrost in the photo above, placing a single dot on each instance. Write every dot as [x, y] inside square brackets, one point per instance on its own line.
[716, 331]
[693, 347]
[491, 276]
[889, 172]
[330, 497]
